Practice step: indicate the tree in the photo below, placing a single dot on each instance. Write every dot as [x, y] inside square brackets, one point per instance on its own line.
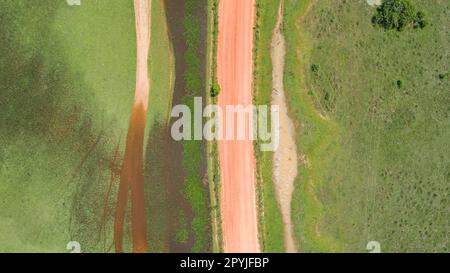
[215, 90]
[398, 14]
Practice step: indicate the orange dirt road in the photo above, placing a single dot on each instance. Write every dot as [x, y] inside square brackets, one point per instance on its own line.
[237, 162]
[131, 177]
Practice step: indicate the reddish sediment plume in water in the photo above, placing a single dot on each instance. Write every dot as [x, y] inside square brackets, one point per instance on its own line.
[132, 181]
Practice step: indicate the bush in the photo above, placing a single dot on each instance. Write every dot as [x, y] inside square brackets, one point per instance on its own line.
[315, 68]
[398, 14]
[215, 90]
[420, 20]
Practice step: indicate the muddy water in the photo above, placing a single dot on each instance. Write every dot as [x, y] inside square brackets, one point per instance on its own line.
[174, 175]
[285, 158]
[132, 180]
[174, 150]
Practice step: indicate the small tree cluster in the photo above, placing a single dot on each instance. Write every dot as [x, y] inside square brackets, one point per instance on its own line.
[398, 14]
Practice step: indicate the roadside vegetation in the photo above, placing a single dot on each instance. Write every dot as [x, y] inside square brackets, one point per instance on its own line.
[270, 222]
[215, 90]
[316, 137]
[213, 164]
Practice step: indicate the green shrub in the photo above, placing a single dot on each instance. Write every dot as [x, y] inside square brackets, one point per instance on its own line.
[315, 68]
[398, 14]
[420, 20]
[215, 90]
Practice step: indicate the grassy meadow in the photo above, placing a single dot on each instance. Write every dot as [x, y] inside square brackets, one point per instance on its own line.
[66, 85]
[372, 111]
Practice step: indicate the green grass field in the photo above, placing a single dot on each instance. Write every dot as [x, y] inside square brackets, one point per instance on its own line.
[375, 152]
[67, 85]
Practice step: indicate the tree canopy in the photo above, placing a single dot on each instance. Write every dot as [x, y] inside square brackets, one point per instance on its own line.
[398, 14]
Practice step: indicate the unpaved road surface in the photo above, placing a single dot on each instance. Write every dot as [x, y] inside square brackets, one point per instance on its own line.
[131, 177]
[285, 157]
[237, 162]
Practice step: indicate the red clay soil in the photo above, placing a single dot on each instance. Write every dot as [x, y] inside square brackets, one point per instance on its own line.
[237, 162]
[131, 177]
